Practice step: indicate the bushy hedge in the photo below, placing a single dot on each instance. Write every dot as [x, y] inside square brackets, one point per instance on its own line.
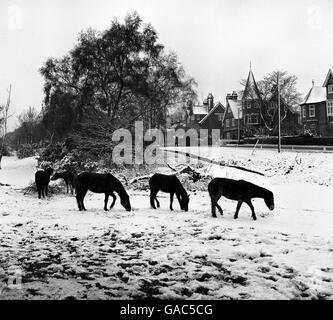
[25, 151]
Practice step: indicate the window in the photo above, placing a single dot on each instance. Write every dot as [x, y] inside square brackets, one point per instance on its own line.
[330, 88]
[304, 111]
[232, 122]
[227, 123]
[219, 116]
[312, 111]
[330, 107]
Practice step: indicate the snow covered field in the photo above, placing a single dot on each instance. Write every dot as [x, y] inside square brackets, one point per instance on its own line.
[286, 254]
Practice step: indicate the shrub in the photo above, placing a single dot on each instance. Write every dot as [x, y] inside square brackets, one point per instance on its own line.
[25, 151]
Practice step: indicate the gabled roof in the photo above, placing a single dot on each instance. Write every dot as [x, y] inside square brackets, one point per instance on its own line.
[329, 73]
[316, 94]
[251, 90]
[236, 108]
[218, 104]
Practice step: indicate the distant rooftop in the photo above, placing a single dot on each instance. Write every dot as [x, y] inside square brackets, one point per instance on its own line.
[316, 94]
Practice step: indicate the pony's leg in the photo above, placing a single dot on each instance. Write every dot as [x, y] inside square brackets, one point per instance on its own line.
[171, 201]
[152, 199]
[84, 192]
[179, 200]
[239, 204]
[71, 187]
[218, 206]
[106, 202]
[67, 185]
[78, 201]
[43, 188]
[39, 189]
[249, 203]
[46, 189]
[114, 200]
[157, 202]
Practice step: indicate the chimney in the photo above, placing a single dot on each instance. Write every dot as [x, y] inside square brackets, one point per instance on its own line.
[210, 101]
[232, 96]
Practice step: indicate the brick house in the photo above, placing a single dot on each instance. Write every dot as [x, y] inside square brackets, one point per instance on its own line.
[232, 122]
[206, 116]
[314, 110]
[328, 85]
[251, 115]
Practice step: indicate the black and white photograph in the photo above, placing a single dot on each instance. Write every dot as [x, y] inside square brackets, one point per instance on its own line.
[166, 150]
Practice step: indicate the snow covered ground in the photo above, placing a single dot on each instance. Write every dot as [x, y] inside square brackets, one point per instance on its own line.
[286, 254]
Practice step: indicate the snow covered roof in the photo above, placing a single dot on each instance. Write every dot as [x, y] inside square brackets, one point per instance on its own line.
[236, 108]
[329, 73]
[199, 110]
[316, 94]
[218, 104]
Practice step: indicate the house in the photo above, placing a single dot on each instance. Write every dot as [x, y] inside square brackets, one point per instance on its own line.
[328, 85]
[248, 114]
[314, 111]
[232, 120]
[251, 107]
[206, 116]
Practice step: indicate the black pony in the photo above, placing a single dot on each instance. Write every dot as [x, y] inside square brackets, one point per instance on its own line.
[100, 183]
[170, 184]
[42, 180]
[69, 178]
[239, 190]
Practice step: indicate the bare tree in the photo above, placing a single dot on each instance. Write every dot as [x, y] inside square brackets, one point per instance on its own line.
[4, 117]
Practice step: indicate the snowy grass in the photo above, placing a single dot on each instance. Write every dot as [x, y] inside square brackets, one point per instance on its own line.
[146, 253]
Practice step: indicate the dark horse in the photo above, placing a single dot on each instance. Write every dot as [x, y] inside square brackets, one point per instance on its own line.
[100, 183]
[170, 184]
[68, 176]
[239, 190]
[42, 180]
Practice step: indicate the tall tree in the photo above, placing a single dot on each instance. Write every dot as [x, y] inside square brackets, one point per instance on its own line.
[122, 72]
[4, 109]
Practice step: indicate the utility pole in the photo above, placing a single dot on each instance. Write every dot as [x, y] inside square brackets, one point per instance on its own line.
[238, 124]
[279, 113]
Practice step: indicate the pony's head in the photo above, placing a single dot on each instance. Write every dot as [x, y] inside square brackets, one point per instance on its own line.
[269, 200]
[125, 202]
[49, 171]
[185, 199]
[56, 176]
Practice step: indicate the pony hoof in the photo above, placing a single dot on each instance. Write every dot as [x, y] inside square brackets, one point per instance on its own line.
[214, 216]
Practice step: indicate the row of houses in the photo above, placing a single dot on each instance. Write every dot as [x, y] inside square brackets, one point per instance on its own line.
[245, 113]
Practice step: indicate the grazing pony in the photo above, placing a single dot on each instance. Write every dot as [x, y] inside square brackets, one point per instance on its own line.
[170, 184]
[239, 190]
[100, 183]
[42, 180]
[68, 176]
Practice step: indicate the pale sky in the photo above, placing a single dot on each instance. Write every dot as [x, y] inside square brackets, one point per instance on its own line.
[215, 39]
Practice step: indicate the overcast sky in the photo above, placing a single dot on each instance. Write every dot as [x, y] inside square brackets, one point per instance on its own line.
[215, 39]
